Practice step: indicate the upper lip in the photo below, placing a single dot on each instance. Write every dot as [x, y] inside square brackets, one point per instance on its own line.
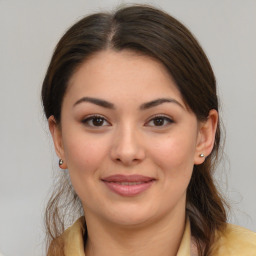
[127, 178]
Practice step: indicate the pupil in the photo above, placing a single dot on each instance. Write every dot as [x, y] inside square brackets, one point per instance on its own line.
[159, 121]
[97, 121]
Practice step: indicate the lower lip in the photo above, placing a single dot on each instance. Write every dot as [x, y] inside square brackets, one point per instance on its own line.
[128, 190]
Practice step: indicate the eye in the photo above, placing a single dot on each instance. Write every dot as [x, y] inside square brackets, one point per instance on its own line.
[160, 121]
[95, 121]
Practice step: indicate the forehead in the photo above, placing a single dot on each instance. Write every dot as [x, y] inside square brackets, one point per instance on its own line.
[123, 75]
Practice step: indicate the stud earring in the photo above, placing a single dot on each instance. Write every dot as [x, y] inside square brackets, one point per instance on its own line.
[61, 162]
[201, 155]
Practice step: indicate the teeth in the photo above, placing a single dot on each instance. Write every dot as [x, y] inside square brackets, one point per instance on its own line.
[130, 183]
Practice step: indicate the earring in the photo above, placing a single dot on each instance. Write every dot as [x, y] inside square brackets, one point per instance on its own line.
[61, 162]
[201, 155]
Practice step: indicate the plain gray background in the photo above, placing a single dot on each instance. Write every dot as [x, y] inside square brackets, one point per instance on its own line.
[29, 31]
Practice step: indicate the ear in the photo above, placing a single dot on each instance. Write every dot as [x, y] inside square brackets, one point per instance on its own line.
[57, 140]
[206, 137]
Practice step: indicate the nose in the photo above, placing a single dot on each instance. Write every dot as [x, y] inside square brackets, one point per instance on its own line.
[127, 147]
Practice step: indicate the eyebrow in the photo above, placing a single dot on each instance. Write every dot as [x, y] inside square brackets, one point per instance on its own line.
[157, 102]
[99, 102]
[144, 106]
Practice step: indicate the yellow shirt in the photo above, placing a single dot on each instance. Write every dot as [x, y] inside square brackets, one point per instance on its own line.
[234, 241]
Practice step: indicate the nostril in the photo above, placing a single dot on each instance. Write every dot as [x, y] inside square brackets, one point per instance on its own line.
[127, 161]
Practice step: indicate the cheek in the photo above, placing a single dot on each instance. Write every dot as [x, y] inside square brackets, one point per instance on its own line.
[175, 150]
[174, 155]
[84, 154]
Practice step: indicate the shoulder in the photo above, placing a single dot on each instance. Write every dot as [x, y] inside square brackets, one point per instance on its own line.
[73, 238]
[70, 243]
[235, 240]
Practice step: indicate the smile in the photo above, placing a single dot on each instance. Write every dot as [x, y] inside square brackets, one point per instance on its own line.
[128, 185]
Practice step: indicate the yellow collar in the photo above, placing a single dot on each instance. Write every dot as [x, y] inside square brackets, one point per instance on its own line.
[234, 240]
[74, 245]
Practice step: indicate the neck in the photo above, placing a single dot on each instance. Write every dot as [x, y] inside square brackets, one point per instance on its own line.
[161, 237]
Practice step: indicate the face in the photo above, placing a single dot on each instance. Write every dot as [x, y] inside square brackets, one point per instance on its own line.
[128, 139]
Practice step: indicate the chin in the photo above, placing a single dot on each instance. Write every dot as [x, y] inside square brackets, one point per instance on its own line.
[132, 215]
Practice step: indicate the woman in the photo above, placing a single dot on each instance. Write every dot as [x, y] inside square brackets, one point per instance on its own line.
[131, 103]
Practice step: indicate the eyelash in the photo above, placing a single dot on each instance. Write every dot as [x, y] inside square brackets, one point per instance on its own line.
[152, 119]
[163, 117]
[94, 117]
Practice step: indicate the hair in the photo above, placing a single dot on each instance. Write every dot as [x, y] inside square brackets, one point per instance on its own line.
[152, 32]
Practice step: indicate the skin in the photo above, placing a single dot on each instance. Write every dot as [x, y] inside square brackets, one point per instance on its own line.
[129, 141]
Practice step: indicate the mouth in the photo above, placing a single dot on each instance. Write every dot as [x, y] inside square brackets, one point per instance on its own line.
[128, 185]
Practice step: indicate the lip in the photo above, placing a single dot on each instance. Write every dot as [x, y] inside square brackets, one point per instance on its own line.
[128, 185]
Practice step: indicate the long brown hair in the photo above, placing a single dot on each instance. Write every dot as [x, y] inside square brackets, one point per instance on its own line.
[152, 32]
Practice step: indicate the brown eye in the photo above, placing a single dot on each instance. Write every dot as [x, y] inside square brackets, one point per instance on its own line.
[95, 121]
[160, 121]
